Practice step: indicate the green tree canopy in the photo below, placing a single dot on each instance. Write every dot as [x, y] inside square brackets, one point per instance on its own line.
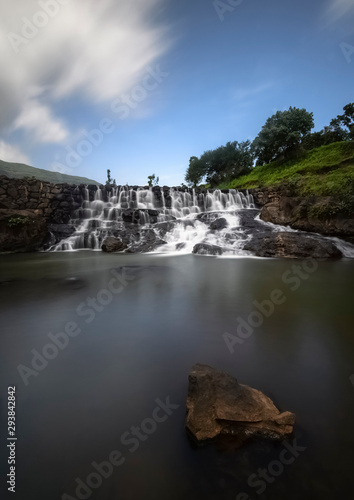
[221, 165]
[345, 120]
[282, 134]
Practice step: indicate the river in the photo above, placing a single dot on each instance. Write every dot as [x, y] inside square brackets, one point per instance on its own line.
[135, 325]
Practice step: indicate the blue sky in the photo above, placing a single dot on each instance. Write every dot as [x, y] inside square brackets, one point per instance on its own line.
[139, 86]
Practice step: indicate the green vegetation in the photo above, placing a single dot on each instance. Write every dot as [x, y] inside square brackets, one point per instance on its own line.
[18, 221]
[221, 164]
[282, 135]
[153, 180]
[325, 171]
[284, 150]
[22, 171]
[109, 180]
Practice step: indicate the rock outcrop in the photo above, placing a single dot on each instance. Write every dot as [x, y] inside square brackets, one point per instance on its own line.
[306, 213]
[22, 230]
[292, 245]
[217, 405]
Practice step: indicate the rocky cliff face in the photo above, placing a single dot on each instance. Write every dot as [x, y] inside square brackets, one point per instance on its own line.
[324, 215]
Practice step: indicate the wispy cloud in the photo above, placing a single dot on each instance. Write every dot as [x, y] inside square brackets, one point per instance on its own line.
[336, 10]
[11, 153]
[89, 50]
[242, 94]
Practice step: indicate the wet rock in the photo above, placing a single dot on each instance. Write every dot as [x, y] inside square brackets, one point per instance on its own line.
[140, 216]
[218, 224]
[58, 232]
[251, 225]
[217, 405]
[146, 246]
[206, 249]
[165, 227]
[112, 244]
[292, 245]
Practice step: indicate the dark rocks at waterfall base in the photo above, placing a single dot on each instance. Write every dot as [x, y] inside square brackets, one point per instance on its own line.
[59, 232]
[146, 246]
[219, 407]
[112, 244]
[292, 245]
[206, 249]
[219, 224]
[251, 224]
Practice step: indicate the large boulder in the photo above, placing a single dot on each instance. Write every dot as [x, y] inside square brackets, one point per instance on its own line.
[111, 244]
[22, 230]
[206, 249]
[292, 245]
[218, 224]
[217, 405]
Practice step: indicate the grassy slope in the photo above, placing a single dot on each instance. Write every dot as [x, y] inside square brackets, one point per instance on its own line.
[325, 171]
[20, 170]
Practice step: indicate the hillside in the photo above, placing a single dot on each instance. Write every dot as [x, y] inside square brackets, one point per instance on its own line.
[20, 170]
[325, 171]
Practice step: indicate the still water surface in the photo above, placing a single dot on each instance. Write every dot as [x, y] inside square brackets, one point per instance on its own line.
[140, 346]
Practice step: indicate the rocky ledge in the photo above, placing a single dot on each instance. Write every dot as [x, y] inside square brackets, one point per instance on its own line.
[328, 216]
[218, 406]
[293, 246]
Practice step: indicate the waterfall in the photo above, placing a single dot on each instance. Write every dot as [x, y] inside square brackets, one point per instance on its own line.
[138, 213]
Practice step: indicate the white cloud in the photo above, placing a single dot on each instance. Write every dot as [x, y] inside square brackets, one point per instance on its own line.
[38, 119]
[11, 153]
[88, 50]
[337, 10]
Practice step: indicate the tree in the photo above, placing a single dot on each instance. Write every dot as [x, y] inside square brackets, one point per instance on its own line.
[221, 165]
[228, 162]
[109, 180]
[282, 134]
[196, 171]
[153, 180]
[345, 120]
[326, 136]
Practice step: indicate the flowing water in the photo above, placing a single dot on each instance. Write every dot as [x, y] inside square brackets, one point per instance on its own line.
[138, 345]
[104, 215]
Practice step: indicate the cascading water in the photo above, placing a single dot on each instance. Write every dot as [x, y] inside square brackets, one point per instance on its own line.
[170, 219]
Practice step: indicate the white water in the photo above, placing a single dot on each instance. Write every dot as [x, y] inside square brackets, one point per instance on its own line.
[97, 219]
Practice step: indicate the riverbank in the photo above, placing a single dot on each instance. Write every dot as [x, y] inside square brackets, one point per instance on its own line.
[315, 193]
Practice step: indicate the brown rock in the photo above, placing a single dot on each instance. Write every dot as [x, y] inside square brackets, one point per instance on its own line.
[217, 405]
[292, 245]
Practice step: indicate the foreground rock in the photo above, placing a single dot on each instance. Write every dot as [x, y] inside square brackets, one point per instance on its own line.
[217, 405]
[22, 231]
[293, 246]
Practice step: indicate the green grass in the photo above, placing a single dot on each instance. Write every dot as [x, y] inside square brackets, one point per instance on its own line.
[325, 171]
[20, 171]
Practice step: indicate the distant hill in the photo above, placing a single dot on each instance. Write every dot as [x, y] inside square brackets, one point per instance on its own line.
[20, 170]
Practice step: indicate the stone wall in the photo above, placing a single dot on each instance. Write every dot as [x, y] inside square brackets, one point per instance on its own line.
[30, 209]
[54, 202]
